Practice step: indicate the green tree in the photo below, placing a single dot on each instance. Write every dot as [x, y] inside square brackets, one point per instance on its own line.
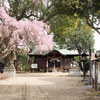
[80, 38]
[32, 9]
[23, 8]
[88, 9]
[72, 33]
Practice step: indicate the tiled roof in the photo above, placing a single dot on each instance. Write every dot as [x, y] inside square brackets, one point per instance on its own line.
[68, 52]
[62, 51]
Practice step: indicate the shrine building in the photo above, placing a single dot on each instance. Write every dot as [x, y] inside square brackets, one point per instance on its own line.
[56, 60]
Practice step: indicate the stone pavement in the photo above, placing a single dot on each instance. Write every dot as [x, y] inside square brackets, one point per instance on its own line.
[44, 86]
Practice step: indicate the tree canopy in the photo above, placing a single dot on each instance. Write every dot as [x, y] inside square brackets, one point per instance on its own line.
[72, 33]
[88, 9]
[51, 10]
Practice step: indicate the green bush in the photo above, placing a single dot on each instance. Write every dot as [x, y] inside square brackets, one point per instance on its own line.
[22, 62]
[26, 68]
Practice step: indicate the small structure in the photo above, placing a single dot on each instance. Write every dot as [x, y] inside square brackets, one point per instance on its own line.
[75, 70]
[9, 68]
[96, 73]
[52, 61]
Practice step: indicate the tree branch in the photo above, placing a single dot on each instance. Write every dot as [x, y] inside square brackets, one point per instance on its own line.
[90, 23]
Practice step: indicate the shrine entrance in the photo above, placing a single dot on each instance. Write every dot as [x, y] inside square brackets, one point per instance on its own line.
[54, 64]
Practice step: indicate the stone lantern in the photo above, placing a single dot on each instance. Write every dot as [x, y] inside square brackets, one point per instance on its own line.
[84, 59]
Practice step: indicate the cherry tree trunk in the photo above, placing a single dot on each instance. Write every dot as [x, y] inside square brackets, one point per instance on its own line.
[9, 68]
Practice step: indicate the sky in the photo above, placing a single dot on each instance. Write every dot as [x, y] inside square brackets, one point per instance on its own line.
[97, 41]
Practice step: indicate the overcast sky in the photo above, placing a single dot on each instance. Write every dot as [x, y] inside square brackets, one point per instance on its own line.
[97, 41]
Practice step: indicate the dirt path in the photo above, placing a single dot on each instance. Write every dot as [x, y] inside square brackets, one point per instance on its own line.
[44, 86]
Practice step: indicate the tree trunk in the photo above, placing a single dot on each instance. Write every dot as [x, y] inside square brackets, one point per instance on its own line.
[8, 59]
[0, 3]
[79, 51]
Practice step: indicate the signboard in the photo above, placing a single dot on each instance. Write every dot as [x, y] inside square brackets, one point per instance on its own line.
[34, 66]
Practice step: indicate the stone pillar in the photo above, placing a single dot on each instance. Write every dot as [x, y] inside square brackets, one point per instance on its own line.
[10, 70]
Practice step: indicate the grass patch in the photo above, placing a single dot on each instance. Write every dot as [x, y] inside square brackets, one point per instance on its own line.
[96, 93]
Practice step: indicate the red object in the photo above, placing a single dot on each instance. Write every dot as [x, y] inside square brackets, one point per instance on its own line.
[47, 63]
[3, 76]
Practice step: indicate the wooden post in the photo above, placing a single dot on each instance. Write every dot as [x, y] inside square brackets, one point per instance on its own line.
[95, 77]
[99, 75]
[60, 65]
[84, 71]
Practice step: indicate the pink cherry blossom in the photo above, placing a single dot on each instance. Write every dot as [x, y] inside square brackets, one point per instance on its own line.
[23, 32]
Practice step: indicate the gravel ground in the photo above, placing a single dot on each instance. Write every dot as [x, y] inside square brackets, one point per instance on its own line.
[45, 86]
